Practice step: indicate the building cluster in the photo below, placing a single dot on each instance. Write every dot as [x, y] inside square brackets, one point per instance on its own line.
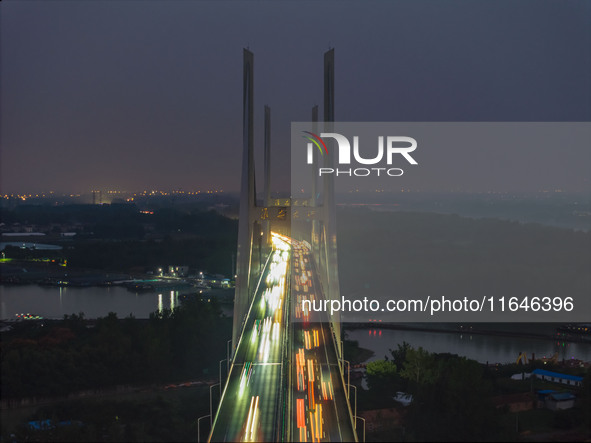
[556, 398]
[99, 196]
[200, 279]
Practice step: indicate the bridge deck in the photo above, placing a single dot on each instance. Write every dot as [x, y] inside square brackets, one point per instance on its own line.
[284, 383]
[249, 408]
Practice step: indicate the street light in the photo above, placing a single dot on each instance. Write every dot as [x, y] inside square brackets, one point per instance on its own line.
[348, 376]
[361, 418]
[221, 361]
[355, 415]
[210, 405]
[199, 427]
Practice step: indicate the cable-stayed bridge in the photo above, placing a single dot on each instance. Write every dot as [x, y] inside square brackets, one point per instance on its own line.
[285, 381]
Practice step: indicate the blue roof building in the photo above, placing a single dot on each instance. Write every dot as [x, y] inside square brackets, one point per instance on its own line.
[560, 400]
[557, 377]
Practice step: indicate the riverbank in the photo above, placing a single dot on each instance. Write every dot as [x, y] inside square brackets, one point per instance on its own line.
[500, 347]
[547, 332]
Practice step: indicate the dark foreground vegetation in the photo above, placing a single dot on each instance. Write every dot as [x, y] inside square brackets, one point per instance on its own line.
[58, 357]
[458, 399]
[159, 416]
[47, 361]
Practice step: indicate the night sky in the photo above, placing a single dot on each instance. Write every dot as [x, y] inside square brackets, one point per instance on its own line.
[135, 95]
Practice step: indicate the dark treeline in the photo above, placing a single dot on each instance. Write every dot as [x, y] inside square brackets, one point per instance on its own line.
[120, 238]
[167, 416]
[450, 393]
[117, 220]
[452, 396]
[213, 255]
[42, 215]
[67, 355]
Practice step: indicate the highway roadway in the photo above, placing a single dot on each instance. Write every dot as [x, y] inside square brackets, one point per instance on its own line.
[284, 383]
[250, 407]
[318, 406]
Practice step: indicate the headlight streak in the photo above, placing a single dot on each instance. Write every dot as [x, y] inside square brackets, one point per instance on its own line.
[266, 331]
[252, 420]
[245, 376]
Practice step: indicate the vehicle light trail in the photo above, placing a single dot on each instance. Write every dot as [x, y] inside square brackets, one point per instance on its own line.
[245, 376]
[301, 419]
[252, 420]
[259, 363]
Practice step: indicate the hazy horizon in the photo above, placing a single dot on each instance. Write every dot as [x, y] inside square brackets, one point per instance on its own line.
[148, 95]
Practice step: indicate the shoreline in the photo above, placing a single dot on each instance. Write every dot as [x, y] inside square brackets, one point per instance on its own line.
[465, 330]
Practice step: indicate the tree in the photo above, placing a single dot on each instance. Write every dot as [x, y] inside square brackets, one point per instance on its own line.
[381, 368]
[419, 367]
[449, 392]
[399, 354]
[383, 382]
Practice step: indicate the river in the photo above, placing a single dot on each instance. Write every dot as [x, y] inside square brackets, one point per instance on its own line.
[55, 302]
[482, 348]
[94, 301]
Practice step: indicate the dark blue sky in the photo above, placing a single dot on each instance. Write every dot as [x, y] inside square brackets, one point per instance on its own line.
[147, 94]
